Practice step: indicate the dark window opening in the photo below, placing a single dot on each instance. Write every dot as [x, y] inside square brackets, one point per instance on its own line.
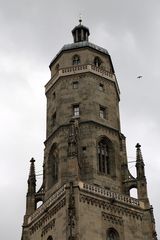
[84, 149]
[53, 166]
[97, 62]
[101, 87]
[76, 60]
[103, 157]
[112, 235]
[54, 119]
[50, 238]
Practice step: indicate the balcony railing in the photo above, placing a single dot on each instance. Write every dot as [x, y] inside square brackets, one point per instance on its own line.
[90, 189]
[108, 194]
[81, 69]
[47, 204]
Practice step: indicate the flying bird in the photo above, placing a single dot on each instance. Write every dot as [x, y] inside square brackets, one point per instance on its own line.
[139, 76]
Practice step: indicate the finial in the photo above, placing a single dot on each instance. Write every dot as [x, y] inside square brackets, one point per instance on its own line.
[80, 18]
[139, 157]
[138, 145]
[32, 167]
[32, 160]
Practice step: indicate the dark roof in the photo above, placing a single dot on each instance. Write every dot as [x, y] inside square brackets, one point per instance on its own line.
[79, 45]
[80, 27]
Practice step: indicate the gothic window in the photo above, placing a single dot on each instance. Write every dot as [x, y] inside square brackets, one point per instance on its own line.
[76, 110]
[103, 157]
[76, 60]
[50, 238]
[112, 234]
[53, 165]
[97, 62]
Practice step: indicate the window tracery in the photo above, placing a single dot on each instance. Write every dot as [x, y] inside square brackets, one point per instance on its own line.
[50, 238]
[112, 234]
[103, 157]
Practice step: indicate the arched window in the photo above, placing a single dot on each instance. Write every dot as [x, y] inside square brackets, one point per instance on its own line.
[112, 234]
[103, 157]
[50, 238]
[97, 61]
[53, 165]
[76, 60]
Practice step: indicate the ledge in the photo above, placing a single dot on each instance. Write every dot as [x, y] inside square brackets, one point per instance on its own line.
[82, 69]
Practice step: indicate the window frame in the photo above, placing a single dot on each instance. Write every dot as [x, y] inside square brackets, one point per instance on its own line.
[76, 110]
[75, 84]
[76, 60]
[101, 87]
[103, 157]
[113, 234]
[97, 61]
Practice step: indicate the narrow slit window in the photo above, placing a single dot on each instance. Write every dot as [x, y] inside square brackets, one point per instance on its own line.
[54, 119]
[102, 112]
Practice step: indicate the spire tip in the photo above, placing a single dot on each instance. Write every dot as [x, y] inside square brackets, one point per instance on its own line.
[138, 145]
[32, 160]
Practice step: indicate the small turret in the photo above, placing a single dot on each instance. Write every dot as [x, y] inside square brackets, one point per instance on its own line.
[80, 33]
[141, 179]
[30, 198]
[32, 178]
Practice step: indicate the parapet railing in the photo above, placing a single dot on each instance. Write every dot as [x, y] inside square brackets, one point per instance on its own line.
[81, 69]
[91, 67]
[47, 203]
[108, 194]
[90, 189]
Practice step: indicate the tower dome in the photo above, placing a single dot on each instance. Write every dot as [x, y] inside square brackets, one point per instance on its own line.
[80, 33]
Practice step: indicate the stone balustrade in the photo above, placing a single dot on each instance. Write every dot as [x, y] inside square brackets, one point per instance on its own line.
[81, 69]
[108, 194]
[47, 204]
[88, 188]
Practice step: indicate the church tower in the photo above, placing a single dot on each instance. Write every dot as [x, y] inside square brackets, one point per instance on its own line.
[86, 186]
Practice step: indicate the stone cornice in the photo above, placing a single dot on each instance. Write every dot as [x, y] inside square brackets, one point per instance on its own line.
[73, 70]
[111, 208]
[81, 123]
[112, 218]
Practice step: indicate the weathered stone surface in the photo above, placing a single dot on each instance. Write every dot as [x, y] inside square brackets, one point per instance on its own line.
[86, 181]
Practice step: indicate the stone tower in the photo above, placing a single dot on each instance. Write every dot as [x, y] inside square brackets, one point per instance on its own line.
[86, 186]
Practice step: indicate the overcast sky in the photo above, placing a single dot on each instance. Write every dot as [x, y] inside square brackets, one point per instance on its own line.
[32, 32]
